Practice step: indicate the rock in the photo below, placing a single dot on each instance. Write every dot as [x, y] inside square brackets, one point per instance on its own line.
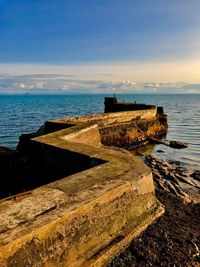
[185, 179]
[173, 144]
[171, 177]
[177, 144]
[196, 175]
[157, 141]
[160, 151]
[4, 150]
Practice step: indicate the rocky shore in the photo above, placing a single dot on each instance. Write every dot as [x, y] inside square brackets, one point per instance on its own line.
[174, 239]
[171, 178]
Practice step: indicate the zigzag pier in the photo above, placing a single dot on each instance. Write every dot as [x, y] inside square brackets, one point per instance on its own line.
[95, 196]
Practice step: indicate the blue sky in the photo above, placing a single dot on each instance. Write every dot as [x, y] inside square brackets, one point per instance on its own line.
[135, 41]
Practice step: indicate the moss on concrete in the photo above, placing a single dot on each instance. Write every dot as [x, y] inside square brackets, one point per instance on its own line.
[86, 218]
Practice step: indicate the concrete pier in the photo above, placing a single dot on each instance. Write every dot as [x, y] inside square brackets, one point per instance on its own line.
[87, 218]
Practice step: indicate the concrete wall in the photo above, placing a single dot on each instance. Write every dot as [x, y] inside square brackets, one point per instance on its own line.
[123, 129]
[89, 135]
[86, 218]
[110, 118]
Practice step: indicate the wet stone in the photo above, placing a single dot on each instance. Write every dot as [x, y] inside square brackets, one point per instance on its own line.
[196, 175]
[177, 144]
[160, 151]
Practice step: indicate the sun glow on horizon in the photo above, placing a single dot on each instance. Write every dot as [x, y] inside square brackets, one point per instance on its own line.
[185, 71]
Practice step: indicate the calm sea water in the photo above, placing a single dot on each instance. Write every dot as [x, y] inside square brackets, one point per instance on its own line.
[26, 113]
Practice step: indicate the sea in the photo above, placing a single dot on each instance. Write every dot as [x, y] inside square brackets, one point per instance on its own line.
[26, 113]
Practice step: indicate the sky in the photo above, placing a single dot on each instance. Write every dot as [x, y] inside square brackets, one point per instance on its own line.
[148, 46]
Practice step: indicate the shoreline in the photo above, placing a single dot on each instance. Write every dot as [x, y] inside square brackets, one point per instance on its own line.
[174, 239]
[175, 189]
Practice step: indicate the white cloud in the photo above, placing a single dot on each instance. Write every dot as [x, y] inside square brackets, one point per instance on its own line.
[65, 87]
[33, 85]
[21, 85]
[78, 78]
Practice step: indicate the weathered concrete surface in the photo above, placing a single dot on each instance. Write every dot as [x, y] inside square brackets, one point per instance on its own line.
[122, 129]
[84, 219]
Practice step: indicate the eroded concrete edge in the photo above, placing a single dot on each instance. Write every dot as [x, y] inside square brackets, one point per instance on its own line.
[120, 169]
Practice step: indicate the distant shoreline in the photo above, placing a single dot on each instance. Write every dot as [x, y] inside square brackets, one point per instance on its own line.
[92, 93]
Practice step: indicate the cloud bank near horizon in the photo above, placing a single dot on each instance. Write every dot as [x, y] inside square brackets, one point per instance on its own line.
[171, 77]
[63, 84]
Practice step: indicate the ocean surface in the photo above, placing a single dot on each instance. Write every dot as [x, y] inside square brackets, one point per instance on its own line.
[26, 113]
